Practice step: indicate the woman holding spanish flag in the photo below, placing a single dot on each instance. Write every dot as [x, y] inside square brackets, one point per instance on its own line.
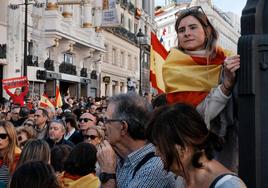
[198, 72]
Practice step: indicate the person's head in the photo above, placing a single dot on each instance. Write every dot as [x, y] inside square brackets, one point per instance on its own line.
[40, 117]
[8, 141]
[29, 122]
[56, 130]
[81, 160]
[95, 135]
[195, 32]
[51, 112]
[59, 154]
[34, 174]
[181, 137]
[25, 133]
[127, 115]
[159, 100]
[17, 91]
[24, 112]
[86, 121]
[71, 123]
[34, 150]
[15, 113]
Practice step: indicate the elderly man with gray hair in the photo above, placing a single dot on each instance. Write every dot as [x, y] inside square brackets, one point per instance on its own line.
[126, 159]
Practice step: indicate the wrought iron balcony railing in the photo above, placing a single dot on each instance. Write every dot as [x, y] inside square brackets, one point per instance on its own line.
[3, 51]
[32, 61]
[49, 64]
[67, 68]
[83, 72]
[123, 33]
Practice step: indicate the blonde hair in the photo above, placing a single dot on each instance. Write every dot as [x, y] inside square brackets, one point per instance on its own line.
[99, 131]
[9, 154]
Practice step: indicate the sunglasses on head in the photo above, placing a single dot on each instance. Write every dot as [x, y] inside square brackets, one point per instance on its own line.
[92, 137]
[190, 10]
[85, 119]
[3, 135]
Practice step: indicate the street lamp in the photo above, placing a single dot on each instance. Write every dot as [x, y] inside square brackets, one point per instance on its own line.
[140, 37]
[16, 6]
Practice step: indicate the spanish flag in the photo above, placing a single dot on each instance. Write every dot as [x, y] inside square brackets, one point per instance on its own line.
[58, 100]
[45, 102]
[158, 55]
[189, 79]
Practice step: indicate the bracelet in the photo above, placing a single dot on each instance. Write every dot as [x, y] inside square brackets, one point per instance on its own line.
[226, 87]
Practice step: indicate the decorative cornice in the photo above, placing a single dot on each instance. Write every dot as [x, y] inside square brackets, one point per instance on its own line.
[67, 14]
[87, 25]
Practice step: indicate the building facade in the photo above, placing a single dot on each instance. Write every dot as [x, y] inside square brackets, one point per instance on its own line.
[125, 59]
[65, 46]
[227, 24]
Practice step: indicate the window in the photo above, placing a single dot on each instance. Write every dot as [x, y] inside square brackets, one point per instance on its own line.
[114, 56]
[129, 24]
[135, 28]
[106, 53]
[129, 62]
[68, 58]
[122, 59]
[122, 19]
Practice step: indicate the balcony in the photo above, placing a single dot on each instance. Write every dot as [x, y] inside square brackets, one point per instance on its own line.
[123, 33]
[83, 72]
[127, 5]
[67, 68]
[32, 61]
[49, 64]
[3, 51]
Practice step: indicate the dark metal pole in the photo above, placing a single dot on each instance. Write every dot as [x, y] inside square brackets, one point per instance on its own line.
[140, 92]
[252, 94]
[25, 39]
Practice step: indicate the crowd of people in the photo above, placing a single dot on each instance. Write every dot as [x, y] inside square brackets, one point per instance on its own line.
[127, 140]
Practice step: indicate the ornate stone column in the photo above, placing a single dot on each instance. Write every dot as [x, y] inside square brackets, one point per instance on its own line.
[98, 16]
[52, 5]
[67, 11]
[87, 14]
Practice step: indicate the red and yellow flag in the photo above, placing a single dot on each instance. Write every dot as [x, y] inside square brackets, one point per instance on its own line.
[45, 102]
[58, 99]
[158, 56]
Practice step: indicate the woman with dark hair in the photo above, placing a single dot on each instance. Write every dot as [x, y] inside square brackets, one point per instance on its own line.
[80, 167]
[59, 155]
[37, 174]
[187, 147]
[9, 152]
[35, 150]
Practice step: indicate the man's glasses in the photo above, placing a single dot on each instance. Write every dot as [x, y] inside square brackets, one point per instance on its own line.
[92, 137]
[106, 120]
[85, 120]
[3, 136]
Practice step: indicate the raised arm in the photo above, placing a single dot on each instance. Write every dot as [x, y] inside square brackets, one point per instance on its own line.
[25, 92]
[8, 92]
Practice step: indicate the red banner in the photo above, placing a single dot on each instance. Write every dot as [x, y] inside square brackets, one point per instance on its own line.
[15, 82]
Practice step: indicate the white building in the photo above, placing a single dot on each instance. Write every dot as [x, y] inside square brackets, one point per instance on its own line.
[227, 24]
[120, 68]
[63, 40]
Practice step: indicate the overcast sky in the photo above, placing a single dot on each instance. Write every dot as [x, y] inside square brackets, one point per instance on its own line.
[235, 6]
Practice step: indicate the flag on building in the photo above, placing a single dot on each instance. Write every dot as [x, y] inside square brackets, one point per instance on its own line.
[45, 102]
[163, 34]
[158, 56]
[58, 99]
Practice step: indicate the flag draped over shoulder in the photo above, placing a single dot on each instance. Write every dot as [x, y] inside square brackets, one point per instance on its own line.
[58, 99]
[158, 56]
[189, 79]
[45, 102]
